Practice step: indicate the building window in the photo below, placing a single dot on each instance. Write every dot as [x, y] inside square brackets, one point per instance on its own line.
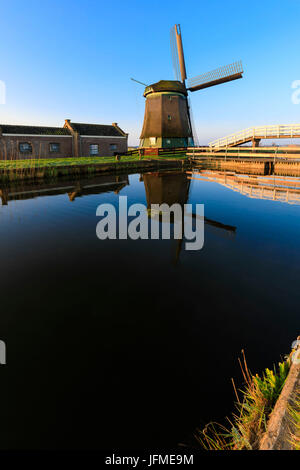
[94, 149]
[113, 146]
[25, 147]
[152, 140]
[54, 148]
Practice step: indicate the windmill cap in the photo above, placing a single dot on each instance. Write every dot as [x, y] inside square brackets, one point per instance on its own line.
[165, 86]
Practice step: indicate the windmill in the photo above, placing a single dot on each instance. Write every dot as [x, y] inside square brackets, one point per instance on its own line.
[167, 121]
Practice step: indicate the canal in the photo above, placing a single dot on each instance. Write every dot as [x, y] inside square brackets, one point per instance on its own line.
[132, 344]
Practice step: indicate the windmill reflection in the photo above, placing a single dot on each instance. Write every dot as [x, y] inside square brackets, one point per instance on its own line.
[173, 187]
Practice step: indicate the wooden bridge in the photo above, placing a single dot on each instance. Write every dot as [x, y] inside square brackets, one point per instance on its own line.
[245, 157]
[256, 134]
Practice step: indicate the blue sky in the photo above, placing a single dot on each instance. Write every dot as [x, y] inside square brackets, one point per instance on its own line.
[74, 60]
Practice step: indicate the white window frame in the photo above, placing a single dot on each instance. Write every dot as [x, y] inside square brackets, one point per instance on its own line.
[56, 144]
[29, 150]
[93, 152]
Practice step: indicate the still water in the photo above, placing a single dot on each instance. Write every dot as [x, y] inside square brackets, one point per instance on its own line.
[132, 344]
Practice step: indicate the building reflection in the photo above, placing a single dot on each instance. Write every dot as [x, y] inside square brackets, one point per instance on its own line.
[74, 189]
[167, 187]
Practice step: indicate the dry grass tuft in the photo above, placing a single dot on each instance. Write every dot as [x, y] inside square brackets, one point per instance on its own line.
[254, 405]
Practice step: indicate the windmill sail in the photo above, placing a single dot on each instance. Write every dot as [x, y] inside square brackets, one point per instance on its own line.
[177, 53]
[215, 77]
[137, 81]
[174, 51]
[192, 122]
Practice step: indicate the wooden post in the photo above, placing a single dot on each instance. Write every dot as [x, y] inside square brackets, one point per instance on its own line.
[255, 143]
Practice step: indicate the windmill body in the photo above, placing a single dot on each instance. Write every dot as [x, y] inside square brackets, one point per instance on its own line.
[167, 121]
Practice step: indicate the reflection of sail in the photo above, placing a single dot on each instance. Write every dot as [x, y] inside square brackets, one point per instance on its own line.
[275, 188]
[215, 223]
[82, 187]
[173, 187]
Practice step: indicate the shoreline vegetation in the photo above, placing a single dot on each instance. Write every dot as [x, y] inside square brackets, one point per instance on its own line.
[294, 412]
[11, 170]
[255, 403]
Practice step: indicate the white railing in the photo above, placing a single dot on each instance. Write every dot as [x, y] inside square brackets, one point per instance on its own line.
[262, 132]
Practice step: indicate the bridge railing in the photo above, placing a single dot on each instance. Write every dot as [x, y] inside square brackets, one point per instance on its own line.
[266, 132]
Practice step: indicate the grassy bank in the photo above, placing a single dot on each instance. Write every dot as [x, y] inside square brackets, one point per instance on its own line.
[57, 162]
[50, 168]
[294, 411]
[255, 403]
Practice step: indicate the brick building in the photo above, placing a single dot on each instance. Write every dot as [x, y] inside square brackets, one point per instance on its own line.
[71, 140]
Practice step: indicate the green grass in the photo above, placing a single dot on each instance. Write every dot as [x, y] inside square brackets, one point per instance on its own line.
[12, 170]
[57, 162]
[294, 412]
[254, 405]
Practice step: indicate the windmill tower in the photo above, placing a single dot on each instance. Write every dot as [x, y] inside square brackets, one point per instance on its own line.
[167, 121]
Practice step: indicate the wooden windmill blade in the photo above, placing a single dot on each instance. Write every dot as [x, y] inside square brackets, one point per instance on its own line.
[192, 123]
[174, 52]
[216, 77]
[177, 53]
